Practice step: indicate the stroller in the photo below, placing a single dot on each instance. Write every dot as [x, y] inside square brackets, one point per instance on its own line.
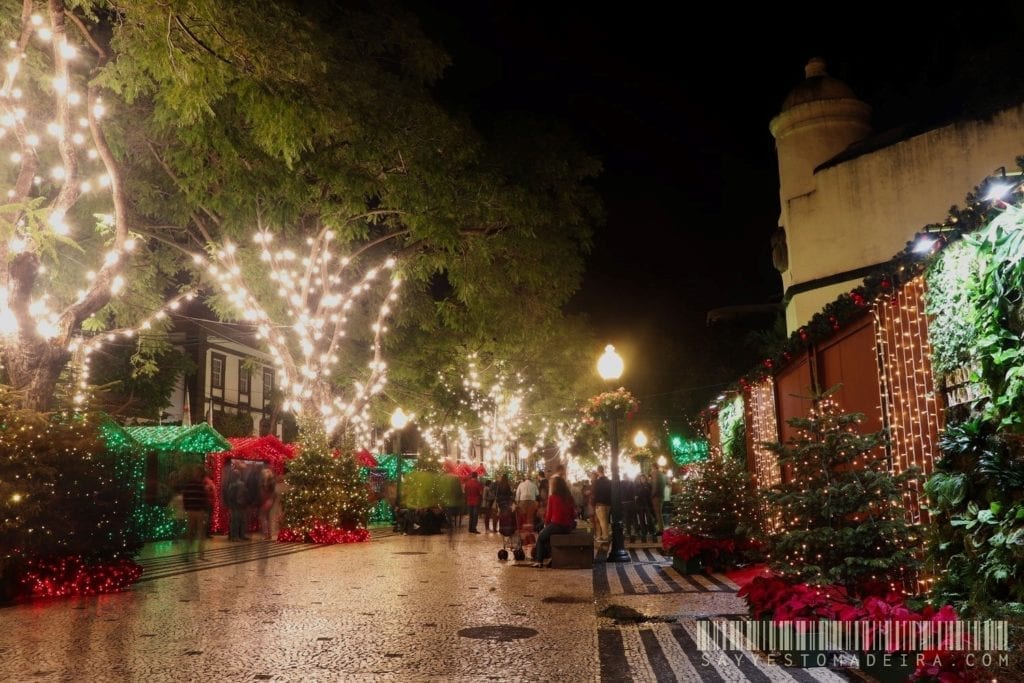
[508, 527]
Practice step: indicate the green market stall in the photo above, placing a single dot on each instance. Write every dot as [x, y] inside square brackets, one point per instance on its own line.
[163, 452]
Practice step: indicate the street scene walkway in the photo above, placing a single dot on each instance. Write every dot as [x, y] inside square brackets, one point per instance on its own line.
[400, 608]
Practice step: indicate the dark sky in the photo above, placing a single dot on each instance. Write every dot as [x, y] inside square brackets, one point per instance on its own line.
[678, 107]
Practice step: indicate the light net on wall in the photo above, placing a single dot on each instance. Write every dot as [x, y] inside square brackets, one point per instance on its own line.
[910, 401]
[764, 428]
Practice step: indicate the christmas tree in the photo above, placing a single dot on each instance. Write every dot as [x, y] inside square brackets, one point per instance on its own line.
[719, 502]
[327, 501]
[66, 498]
[840, 510]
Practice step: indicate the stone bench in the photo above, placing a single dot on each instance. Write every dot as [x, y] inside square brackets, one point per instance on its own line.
[574, 550]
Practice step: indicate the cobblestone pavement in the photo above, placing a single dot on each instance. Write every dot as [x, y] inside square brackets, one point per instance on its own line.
[401, 608]
[653, 618]
[388, 610]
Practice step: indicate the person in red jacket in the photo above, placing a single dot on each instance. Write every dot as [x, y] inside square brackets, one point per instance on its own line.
[560, 518]
[473, 492]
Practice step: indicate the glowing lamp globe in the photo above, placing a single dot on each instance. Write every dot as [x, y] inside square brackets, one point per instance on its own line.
[639, 439]
[610, 364]
[662, 461]
[399, 419]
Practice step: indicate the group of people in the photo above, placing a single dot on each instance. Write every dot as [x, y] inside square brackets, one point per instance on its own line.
[248, 490]
[642, 503]
[551, 505]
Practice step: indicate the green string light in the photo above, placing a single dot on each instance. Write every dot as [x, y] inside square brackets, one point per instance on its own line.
[689, 451]
[201, 438]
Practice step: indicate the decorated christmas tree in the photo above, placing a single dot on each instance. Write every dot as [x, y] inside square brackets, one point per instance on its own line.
[65, 502]
[840, 511]
[717, 519]
[719, 502]
[327, 501]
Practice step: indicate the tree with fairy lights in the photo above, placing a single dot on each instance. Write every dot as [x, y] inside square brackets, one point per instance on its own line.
[66, 225]
[327, 501]
[840, 509]
[339, 159]
[67, 492]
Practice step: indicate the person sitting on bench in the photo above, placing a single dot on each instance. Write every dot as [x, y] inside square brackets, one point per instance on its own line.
[560, 518]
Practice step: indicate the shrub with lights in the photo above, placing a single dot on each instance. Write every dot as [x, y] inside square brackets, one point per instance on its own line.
[841, 519]
[66, 501]
[327, 501]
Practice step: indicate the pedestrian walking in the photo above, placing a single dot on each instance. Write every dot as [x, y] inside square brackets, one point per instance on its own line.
[237, 500]
[526, 502]
[644, 511]
[268, 495]
[195, 501]
[488, 506]
[602, 494]
[211, 497]
[503, 494]
[560, 518]
[474, 495]
[658, 485]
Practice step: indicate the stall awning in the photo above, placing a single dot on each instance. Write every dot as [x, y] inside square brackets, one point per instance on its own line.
[200, 438]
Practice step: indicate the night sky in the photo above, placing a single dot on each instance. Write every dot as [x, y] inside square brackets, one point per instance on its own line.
[678, 111]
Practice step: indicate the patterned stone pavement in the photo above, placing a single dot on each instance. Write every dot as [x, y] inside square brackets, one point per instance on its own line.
[401, 608]
[675, 609]
[388, 610]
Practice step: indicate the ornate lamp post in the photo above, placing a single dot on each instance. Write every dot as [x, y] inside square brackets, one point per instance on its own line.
[398, 421]
[610, 367]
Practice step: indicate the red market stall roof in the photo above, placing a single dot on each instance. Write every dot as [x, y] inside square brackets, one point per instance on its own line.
[268, 448]
[365, 459]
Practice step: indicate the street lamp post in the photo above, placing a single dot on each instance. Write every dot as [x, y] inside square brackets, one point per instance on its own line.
[610, 367]
[398, 421]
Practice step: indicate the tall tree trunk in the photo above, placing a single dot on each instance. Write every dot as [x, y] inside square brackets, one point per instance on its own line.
[33, 371]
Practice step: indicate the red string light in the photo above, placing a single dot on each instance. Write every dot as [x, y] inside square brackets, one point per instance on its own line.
[324, 533]
[73, 576]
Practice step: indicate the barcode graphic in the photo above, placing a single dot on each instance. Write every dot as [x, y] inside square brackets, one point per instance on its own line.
[886, 636]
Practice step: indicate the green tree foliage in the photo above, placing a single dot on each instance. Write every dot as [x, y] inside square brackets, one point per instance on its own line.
[325, 486]
[134, 383]
[840, 512]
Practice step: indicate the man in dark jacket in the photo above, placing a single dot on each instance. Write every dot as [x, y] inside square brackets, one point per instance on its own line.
[602, 494]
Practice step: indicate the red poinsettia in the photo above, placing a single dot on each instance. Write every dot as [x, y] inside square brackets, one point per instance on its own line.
[686, 546]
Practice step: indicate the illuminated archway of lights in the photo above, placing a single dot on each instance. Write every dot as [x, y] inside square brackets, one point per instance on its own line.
[50, 132]
[318, 293]
[492, 418]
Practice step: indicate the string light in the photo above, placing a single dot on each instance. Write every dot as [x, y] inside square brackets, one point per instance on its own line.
[317, 299]
[912, 410]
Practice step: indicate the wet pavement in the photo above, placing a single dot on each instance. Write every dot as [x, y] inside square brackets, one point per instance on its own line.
[400, 608]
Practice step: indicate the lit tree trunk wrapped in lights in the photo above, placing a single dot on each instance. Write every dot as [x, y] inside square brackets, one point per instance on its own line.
[301, 312]
[842, 519]
[45, 103]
